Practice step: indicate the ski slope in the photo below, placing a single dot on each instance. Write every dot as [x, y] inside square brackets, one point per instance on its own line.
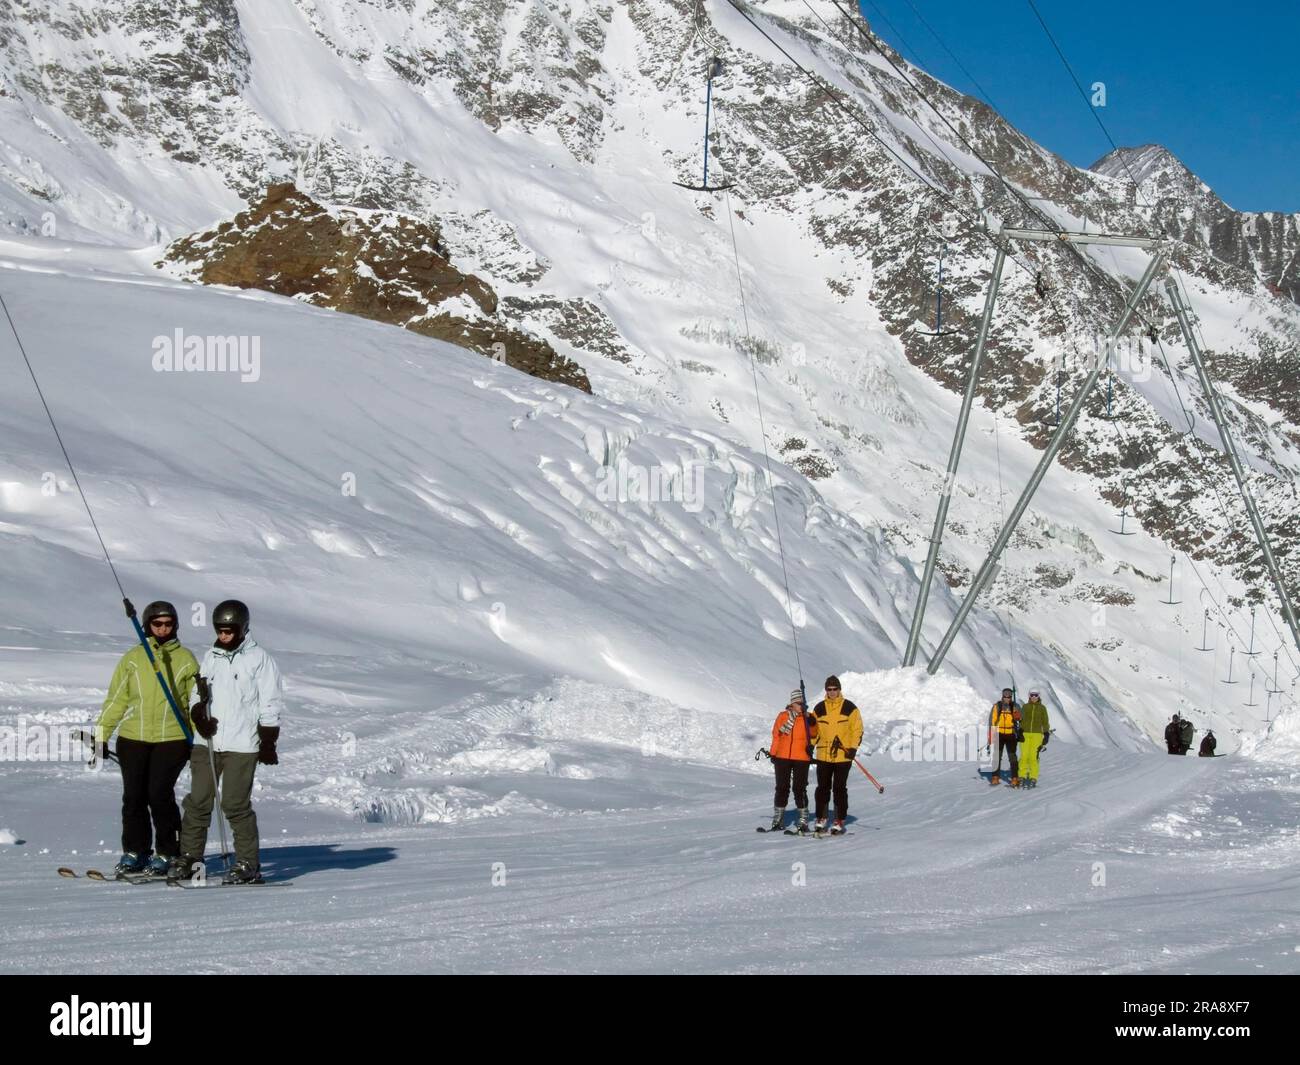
[611, 860]
[495, 670]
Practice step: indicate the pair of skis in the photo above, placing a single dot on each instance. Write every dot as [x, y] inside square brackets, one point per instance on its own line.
[807, 835]
[116, 878]
[149, 878]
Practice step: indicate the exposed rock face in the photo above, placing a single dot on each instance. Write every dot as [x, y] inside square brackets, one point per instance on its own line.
[377, 265]
[1263, 243]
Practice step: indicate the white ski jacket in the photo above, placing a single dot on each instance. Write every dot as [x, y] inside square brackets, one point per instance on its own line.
[246, 692]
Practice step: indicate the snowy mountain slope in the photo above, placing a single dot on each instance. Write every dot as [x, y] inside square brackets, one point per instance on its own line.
[543, 141]
[421, 499]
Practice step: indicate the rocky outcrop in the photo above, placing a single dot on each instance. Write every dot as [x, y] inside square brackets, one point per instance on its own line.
[378, 265]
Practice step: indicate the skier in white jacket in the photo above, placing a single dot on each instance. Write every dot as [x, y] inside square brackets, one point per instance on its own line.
[237, 712]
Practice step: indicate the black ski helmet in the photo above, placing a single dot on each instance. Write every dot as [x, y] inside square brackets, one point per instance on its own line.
[159, 608]
[233, 613]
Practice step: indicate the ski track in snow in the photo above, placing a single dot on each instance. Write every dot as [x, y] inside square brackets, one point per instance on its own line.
[629, 845]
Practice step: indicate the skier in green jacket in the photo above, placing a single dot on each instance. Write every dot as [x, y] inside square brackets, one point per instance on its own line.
[1035, 726]
[151, 745]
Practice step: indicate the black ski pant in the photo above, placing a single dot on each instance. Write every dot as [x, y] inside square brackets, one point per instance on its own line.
[1007, 742]
[833, 777]
[149, 775]
[788, 769]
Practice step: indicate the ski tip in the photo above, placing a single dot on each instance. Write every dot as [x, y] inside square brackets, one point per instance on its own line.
[95, 874]
[65, 871]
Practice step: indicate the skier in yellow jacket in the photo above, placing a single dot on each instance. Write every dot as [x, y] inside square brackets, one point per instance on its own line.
[151, 746]
[839, 734]
[1003, 719]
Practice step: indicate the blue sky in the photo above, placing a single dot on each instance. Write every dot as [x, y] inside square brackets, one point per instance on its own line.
[1218, 85]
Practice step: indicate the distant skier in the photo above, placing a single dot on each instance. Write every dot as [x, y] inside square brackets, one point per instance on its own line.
[1003, 718]
[793, 734]
[241, 721]
[151, 747]
[839, 734]
[1174, 736]
[1034, 726]
[1208, 745]
[1185, 735]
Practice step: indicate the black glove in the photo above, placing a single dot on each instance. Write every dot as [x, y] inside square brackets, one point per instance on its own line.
[268, 734]
[204, 725]
[836, 745]
[852, 752]
[1046, 736]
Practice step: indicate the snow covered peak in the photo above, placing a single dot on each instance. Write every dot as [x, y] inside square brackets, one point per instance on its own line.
[1150, 165]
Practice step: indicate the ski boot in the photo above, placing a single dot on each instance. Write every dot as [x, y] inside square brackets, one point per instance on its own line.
[995, 779]
[778, 819]
[1015, 782]
[243, 873]
[130, 864]
[158, 865]
[819, 827]
[184, 868]
[837, 829]
[801, 826]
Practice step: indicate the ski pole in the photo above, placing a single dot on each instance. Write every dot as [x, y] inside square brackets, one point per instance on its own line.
[221, 817]
[880, 788]
[87, 737]
[205, 693]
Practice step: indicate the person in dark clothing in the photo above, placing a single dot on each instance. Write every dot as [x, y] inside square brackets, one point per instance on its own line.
[1208, 744]
[1185, 735]
[839, 734]
[1173, 736]
[1003, 719]
[152, 747]
[793, 734]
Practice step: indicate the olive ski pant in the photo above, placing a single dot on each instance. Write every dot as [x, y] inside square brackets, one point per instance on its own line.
[235, 772]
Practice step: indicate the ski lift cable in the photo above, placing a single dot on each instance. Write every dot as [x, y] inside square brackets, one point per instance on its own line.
[1002, 517]
[987, 98]
[1228, 521]
[1220, 610]
[762, 428]
[1046, 220]
[126, 602]
[958, 208]
[1177, 274]
[62, 446]
[930, 184]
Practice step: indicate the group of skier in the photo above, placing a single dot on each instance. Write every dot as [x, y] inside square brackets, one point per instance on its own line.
[1026, 728]
[827, 736]
[222, 718]
[1179, 734]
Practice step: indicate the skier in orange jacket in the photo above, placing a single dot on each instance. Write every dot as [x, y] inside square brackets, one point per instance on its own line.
[793, 734]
